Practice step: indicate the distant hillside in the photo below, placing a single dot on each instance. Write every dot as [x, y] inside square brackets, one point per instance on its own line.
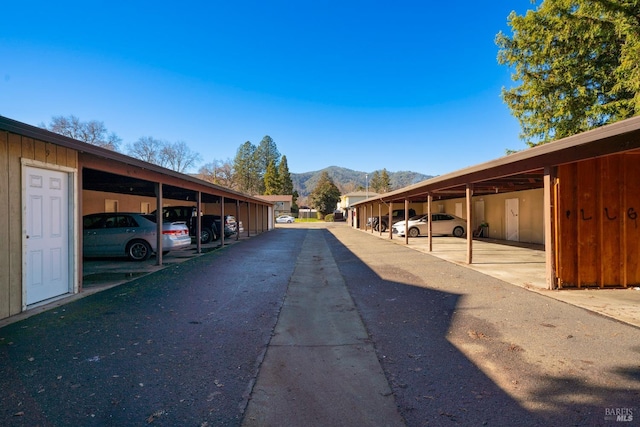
[348, 180]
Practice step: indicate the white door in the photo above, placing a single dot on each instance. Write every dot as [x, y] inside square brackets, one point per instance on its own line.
[511, 219]
[46, 215]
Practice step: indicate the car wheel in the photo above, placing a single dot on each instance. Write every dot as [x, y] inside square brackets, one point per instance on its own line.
[383, 227]
[138, 250]
[458, 231]
[206, 236]
[414, 232]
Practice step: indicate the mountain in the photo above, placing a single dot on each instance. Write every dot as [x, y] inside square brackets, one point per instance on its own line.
[348, 180]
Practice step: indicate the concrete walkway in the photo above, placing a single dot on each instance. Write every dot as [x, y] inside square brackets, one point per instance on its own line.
[524, 265]
[319, 367]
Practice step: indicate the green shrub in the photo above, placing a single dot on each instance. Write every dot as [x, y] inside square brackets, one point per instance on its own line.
[328, 218]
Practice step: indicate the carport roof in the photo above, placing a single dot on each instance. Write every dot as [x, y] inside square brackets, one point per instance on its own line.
[523, 170]
[107, 170]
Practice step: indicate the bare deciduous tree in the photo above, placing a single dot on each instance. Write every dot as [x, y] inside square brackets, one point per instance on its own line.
[92, 132]
[219, 172]
[146, 148]
[178, 156]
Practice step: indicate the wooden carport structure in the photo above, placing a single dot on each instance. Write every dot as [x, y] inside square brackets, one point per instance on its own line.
[35, 164]
[591, 187]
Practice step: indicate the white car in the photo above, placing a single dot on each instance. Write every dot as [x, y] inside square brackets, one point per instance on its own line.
[442, 224]
[285, 219]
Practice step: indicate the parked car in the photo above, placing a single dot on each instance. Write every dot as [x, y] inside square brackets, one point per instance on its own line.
[397, 215]
[230, 224]
[130, 234]
[285, 219]
[209, 224]
[442, 224]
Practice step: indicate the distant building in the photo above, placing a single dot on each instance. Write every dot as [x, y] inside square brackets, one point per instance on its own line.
[281, 203]
[346, 200]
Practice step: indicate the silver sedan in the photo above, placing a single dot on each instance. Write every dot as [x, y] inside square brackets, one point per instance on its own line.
[130, 234]
[285, 219]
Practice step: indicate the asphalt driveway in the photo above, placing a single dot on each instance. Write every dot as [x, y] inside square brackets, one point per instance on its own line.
[193, 343]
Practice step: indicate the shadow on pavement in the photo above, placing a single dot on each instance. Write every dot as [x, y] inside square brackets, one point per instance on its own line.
[182, 346]
[414, 328]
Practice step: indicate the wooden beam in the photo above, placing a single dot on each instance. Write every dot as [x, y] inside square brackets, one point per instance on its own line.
[198, 222]
[159, 219]
[429, 224]
[237, 220]
[406, 221]
[549, 224]
[469, 224]
[222, 221]
[390, 213]
[371, 216]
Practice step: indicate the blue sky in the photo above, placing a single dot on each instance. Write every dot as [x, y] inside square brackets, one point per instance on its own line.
[366, 85]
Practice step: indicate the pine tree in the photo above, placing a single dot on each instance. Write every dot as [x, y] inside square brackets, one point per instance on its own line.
[272, 183]
[265, 153]
[246, 171]
[385, 182]
[374, 181]
[286, 184]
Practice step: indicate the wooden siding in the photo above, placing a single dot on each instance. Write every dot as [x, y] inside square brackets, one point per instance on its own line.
[5, 289]
[13, 148]
[598, 229]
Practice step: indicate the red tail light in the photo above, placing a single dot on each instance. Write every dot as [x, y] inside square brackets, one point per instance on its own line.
[175, 232]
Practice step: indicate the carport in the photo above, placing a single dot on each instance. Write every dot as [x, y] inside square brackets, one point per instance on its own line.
[161, 186]
[583, 201]
[48, 182]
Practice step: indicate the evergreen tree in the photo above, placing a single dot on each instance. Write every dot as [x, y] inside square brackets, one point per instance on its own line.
[246, 170]
[577, 63]
[272, 184]
[374, 181]
[265, 153]
[385, 182]
[325, 196]
[286, 184]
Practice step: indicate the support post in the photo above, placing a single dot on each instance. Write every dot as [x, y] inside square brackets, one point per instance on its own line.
[549, 244]
[198, 219]
[159, 218]
[390, 216]
[469, 224]
[429, 222]
[406, 221]
[237, 220]
[222, 221]
[371, 210]
[248, 219]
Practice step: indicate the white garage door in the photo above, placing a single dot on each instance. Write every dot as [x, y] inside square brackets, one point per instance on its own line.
[47, 234]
